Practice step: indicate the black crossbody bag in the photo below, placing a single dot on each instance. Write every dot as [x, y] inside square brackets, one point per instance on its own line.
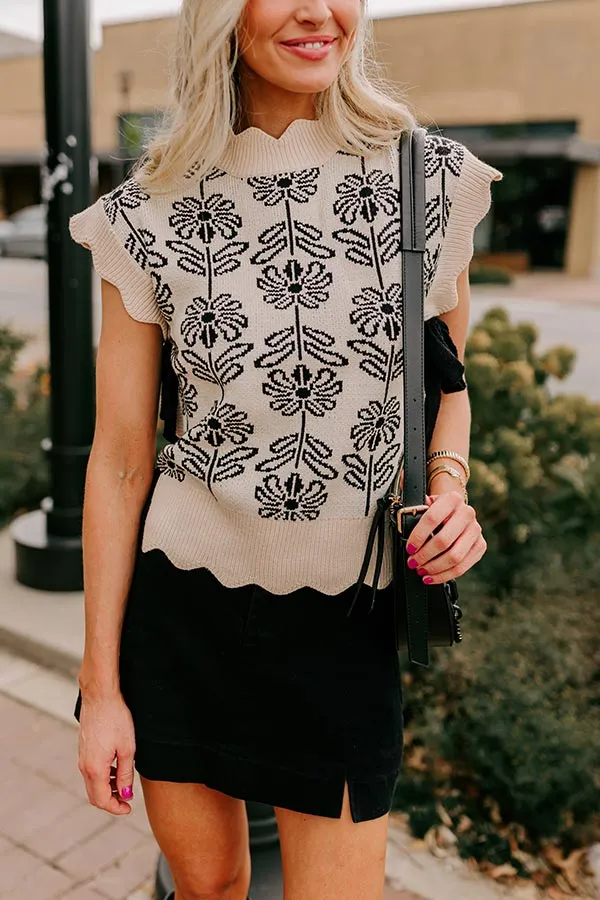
[424, 616]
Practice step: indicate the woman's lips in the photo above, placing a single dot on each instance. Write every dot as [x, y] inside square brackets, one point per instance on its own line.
[313, 49]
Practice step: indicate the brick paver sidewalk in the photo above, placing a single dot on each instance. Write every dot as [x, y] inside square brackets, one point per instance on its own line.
[53, 844]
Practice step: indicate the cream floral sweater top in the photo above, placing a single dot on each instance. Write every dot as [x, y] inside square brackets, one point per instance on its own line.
[277, 280]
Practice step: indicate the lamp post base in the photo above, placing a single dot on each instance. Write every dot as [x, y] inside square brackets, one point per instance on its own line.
[46, 563]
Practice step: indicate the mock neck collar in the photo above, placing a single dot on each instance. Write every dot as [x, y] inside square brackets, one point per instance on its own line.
[305, 143]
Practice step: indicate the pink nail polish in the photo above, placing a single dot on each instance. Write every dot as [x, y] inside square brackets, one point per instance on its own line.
[127, 793]
[421, 572]
[412, 564]
[411, 549]
[428, 580]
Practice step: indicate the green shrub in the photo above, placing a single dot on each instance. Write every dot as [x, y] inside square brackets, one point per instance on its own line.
[504, 731]
[24, 417]
[536, 476]
[490, 275]
[514, 714]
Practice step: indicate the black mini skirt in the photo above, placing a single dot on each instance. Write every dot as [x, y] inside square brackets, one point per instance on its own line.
[280, 699]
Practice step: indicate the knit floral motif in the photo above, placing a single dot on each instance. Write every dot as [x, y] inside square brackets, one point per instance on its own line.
[292, 499]
[310, 330]
[365, 195]
[298, 187]
[208, 319]
[296, 282]
[303, 390]
[205, 218]
[306, 285]
[124, 198]
[377, 309]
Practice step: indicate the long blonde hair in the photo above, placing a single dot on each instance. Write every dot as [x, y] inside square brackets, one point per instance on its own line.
[359, 111]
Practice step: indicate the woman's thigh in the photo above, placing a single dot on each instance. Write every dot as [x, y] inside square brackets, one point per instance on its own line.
[324, 857]
[203, 835]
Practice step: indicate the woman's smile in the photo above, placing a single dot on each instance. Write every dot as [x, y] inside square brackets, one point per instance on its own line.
[312, 49]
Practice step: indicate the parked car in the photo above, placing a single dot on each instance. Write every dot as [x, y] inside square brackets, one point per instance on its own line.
[25, 233]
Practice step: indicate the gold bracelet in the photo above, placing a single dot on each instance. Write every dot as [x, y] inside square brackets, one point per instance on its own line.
[454, 473]
[451, 454]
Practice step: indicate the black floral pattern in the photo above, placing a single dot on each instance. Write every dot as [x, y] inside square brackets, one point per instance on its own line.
[205, 218]
[378, 423]
[207, 320]
[166, 463]
[225, 423]
[203, 449]
[444, 160]
[126, 196]
[443, 154]
[377, 309]
[365, 195]
[298, 288]
[291, 500]
[307, 272]
[295, 283]
[368, 205]
[154, 258]
[188, 397]
[163, 294]
[296, 186]
[304, 390]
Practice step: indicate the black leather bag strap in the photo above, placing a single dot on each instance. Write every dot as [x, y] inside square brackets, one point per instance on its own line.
[412, 191]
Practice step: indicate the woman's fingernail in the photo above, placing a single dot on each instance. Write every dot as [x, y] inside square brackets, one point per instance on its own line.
[411, 549]
[127, 793]
[421, 572]
[412, 564]
[428, 580]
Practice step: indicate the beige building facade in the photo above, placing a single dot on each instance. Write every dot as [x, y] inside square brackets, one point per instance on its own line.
[518, 84]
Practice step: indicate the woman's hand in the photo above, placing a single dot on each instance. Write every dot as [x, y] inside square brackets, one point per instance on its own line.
[455, 548]
[106, 731]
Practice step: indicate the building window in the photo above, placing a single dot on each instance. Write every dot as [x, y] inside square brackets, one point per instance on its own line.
[467, 133]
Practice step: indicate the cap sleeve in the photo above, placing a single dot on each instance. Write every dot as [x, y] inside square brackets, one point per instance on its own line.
[471, 203]
[118, 252]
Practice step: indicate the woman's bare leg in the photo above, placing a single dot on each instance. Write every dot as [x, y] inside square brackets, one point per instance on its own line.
[204, 837]
[327, 859]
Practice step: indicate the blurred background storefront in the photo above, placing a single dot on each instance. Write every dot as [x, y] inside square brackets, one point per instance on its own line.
[517, 84]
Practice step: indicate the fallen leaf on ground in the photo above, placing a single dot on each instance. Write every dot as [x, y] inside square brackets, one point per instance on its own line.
[445, 818]
[503, 871]
[464, 823]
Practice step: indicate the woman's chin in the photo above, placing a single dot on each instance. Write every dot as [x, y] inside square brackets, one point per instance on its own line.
[314, 85]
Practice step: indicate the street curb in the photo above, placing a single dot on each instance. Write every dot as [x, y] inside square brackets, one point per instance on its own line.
[38, 652]
[46, 628]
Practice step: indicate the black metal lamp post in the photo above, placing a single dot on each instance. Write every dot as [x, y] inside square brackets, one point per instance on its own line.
[48, 541]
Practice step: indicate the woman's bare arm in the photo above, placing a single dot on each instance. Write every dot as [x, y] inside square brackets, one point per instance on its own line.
[453, 425]
[450, 552]
[118, 479]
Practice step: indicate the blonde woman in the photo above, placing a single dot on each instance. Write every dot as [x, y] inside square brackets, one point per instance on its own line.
[259, 242]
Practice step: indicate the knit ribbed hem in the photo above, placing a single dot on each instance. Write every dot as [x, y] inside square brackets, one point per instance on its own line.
[471, 204]
[196, 531]
[304, 143]
[115, 264]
